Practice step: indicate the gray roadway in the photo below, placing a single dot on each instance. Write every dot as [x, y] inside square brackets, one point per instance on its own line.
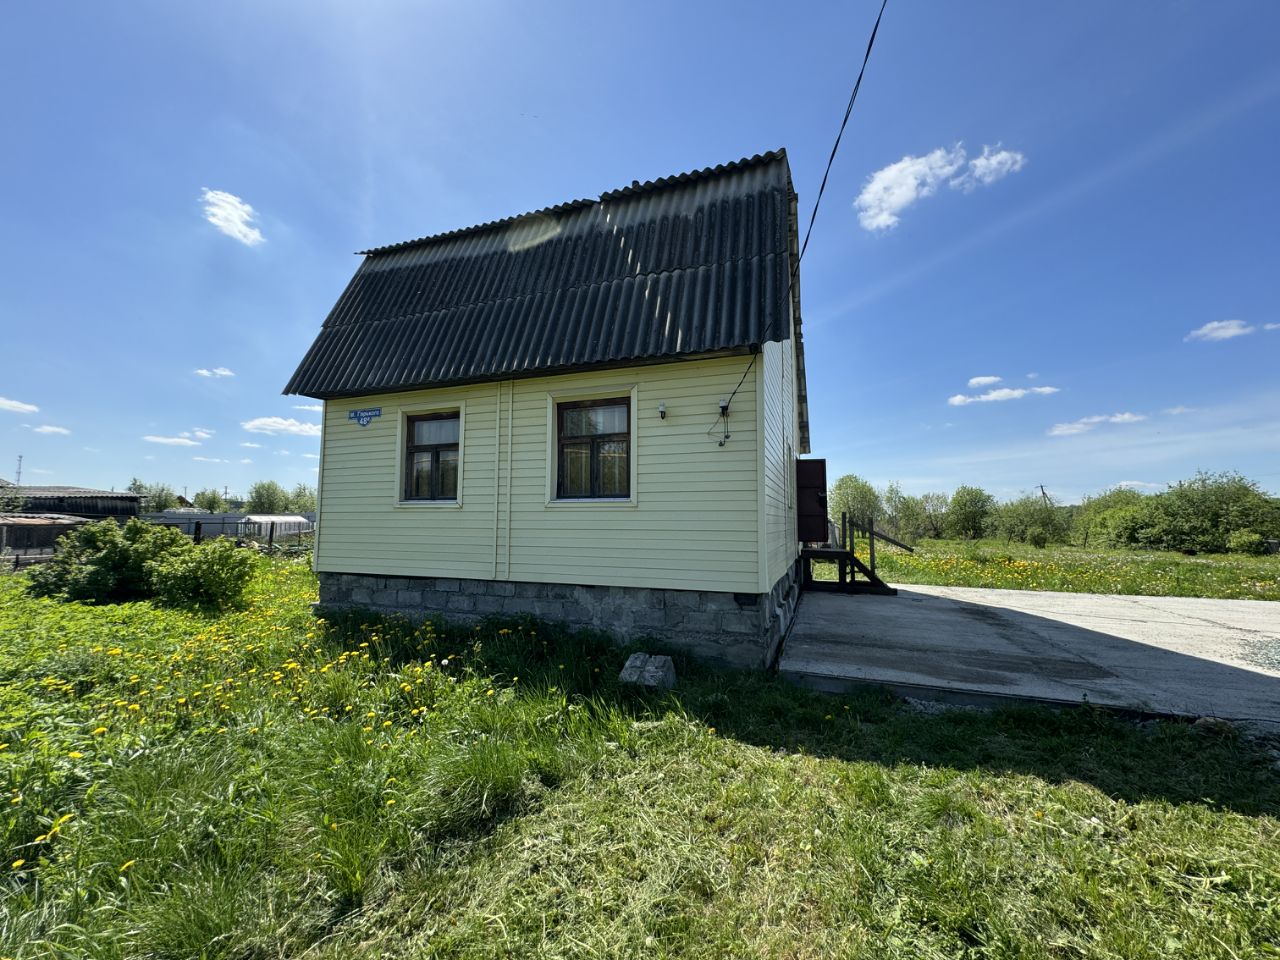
[1168, 655]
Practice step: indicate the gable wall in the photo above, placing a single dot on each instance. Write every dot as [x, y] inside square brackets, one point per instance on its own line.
[693, 522]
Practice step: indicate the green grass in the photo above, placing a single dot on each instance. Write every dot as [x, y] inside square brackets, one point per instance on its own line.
[1016, 566]
[260, 785]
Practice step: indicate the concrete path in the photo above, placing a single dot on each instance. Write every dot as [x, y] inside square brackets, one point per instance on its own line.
[1168, 655]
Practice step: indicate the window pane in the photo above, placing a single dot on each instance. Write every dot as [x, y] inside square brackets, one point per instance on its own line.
[420, 475]
[575, 470]
[449, 474]
[615, 477]
[436, 430]
[593, 421]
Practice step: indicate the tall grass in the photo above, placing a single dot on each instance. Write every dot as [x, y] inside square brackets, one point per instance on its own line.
[261, 784]
[1015, 566]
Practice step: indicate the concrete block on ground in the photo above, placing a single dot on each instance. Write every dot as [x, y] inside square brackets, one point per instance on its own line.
[646, 670]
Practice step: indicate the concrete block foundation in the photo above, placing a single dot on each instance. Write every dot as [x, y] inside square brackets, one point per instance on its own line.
[741, 630]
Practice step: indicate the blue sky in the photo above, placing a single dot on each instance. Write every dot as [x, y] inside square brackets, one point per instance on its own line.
[1060, 196]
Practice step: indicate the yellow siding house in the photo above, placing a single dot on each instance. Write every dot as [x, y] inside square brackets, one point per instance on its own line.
[589, 413]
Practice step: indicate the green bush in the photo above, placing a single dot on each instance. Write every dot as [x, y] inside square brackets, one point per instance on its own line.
[213, 574]
[1246, 541]
[106, 563]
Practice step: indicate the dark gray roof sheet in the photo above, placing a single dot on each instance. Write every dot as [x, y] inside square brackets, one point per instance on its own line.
[693, 265]
[36, 493]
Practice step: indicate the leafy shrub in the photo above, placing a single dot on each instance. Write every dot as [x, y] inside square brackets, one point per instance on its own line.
[1246, 541]
[1038, 537]
[106, 563]
[213, 574]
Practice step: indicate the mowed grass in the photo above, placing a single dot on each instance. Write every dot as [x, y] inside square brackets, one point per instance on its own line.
[263, 785]
[1016, 566]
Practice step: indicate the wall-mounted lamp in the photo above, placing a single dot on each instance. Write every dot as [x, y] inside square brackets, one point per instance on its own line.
[662, 411]
[724, 415]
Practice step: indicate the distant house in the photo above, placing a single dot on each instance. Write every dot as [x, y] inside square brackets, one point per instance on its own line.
[76, 501]
[589, 413]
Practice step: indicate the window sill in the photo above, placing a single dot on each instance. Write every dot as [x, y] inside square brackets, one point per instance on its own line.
[593, 502]
[429, 504]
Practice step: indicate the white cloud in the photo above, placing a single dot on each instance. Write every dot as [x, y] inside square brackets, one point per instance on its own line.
[90, 449]
[49, 428]
[210, 460]
[1177, 411]
[993, 165]
[17, 406]
[215, 372]
[202, 433]
[892, 189]
[251, 444]
[997, 396]
[281, 453]
[1033, 376]
[983, 381]
[1271, 326]
[232, 216]
[246, 460]
[312, 456]
[172, 441]
[275, 425]
[1220, 330]
[316, 407]
[1085, 424]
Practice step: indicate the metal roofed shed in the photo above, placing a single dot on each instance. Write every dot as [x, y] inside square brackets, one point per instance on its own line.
[77, 501]
[693, 265]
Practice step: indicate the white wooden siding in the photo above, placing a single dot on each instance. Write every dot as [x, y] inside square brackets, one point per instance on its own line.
[778, 385]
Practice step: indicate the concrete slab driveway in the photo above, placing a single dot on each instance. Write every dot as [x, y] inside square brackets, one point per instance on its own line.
[1168, 655]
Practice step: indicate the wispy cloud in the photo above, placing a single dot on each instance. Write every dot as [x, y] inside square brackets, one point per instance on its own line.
[1085, 424]
[999, 395]
[892, 189]
[277, 425]
[17, 406]
[1271, 326]
[210, 460]
[311, 456]
[994, 164]
[983, 381]
[215, 372]
[1178, 411]
[172, 441]
[314, 407]
[232, 216]
[246, 460]
[1220, 330]
[250, 444]
[49, 428]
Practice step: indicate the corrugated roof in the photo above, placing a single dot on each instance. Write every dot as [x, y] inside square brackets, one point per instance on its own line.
[697, 264]
[37, 493]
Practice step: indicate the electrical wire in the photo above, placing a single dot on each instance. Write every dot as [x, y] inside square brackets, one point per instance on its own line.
[817, 201]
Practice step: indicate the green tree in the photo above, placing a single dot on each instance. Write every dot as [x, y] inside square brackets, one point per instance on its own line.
[1200, 514]
[967, 512]
[854, 496]
[1030, 519]
[267, 496]
[10, 499]
[210, 500]
[156, 497]
[934, 507]
[1097, 518]
[302, 499]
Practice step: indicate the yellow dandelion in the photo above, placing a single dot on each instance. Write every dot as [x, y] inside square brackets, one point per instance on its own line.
[126, 865]
[75, 754]
[17, 863]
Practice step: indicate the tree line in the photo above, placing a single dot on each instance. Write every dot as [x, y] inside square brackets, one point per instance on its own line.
[1210, 513]
[265, 496]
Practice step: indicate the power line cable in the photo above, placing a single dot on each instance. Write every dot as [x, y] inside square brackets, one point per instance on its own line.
[817, 201]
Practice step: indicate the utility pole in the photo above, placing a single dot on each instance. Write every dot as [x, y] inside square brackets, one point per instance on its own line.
[1044, 496]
